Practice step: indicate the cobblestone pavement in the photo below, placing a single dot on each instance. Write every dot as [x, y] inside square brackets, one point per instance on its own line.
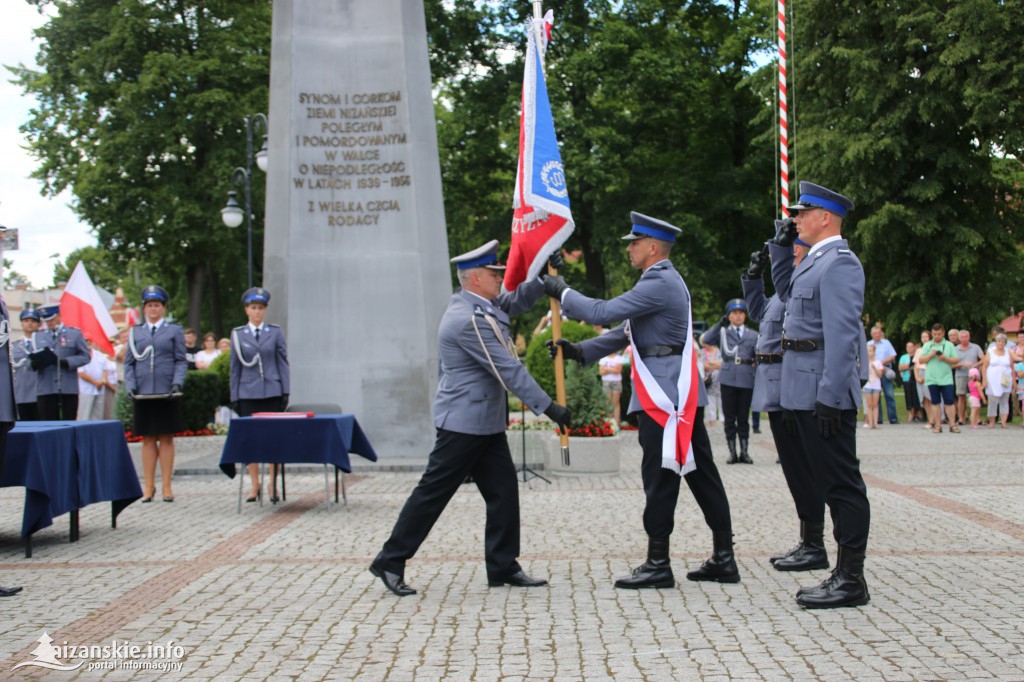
[283, 592]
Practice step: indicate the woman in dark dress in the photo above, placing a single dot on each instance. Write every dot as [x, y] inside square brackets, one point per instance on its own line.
[154, 371]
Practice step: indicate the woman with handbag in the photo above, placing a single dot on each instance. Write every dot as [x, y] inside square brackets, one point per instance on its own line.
[998, 381]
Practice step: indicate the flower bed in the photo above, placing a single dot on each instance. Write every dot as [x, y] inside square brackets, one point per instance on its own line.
[132, 438]
[596, 430]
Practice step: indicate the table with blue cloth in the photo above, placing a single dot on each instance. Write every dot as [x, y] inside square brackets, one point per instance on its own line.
[321, 439]
[67, 465]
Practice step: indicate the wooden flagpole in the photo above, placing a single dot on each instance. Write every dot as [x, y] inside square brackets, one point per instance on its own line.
[556, 306]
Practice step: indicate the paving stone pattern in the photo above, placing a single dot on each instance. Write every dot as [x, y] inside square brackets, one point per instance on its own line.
[282, 591]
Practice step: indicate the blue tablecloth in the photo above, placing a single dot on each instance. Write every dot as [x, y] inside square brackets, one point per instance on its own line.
[321, 439]
[67, 465]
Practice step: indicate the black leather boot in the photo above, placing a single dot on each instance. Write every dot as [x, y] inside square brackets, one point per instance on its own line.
[744, 455]
[810, 554]
[654, 573]
[733, 459]
[846, 586]
[721, 566]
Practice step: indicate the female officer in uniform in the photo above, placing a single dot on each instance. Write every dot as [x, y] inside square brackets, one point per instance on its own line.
[155, 365]
[260, 379]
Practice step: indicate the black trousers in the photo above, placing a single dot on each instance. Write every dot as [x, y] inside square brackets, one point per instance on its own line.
[837, 470]
[455, 456]
[29, 412]
[661, 486]
[57, 407]
[736, 411]
[808, 496]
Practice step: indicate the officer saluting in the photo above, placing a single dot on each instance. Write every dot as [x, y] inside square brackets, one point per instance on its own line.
[786, 252]
[478, 366]
[736, 376]
[260, 376]
[823, 341]
[57, 377]
[657, 310]
[25, 378]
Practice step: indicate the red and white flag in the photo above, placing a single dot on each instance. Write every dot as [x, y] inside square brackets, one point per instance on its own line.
[541, 218]
[81, 307]
[676, 444]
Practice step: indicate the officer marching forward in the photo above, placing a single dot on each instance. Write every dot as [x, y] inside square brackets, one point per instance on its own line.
[786, 251]
[823, 343]
[57, 379]
[25, 378]
[657, 310]
[260, 375]
[478, 367]
[736, 376]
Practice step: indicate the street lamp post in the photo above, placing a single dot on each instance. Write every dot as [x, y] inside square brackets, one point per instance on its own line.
[232, 214]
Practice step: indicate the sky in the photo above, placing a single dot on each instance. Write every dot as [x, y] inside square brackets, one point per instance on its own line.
[46, 226]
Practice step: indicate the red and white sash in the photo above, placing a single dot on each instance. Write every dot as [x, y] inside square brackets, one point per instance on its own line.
[676, 444]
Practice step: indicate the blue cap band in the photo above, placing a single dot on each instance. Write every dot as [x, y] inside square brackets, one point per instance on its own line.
[801, 242]
[486, 259]
[648, 231]
[822, 202]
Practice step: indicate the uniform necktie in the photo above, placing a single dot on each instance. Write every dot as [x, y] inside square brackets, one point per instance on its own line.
[257, 333]
[152, 330]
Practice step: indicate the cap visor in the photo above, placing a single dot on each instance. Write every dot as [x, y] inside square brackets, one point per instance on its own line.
[633, 237]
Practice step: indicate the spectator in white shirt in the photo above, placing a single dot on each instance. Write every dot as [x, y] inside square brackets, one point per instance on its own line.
[91, 380]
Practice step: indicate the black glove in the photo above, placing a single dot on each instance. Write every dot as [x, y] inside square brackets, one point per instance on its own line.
[36, 363]
[570, 350]
[284, 402]
[560, 415]
[555, 260]
[829, 419]
[758, 262]
[724, 322]
[789, 422]
[554, 286]
[175, 388]
[785, 232]
[62, 363]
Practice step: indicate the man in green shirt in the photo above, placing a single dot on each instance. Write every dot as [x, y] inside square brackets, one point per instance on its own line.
[939, 356]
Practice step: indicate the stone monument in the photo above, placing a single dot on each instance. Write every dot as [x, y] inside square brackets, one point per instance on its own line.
[356, 253]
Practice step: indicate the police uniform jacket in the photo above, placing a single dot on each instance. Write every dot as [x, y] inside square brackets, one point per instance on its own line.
[657, 309]
[8, 408]
[824, 302]
[25, 378]
[734, 347]
[69, 344]
[157, 370]
[768, 313]
[262, 372]
[477, 363]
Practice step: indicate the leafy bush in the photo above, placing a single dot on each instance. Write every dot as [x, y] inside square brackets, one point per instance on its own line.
[540, 364]
[201, 396]
[123, 409]
[587, 401]
[222, 366]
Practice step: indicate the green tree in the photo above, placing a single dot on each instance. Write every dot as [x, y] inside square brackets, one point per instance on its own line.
[141, 108]
[903, 112]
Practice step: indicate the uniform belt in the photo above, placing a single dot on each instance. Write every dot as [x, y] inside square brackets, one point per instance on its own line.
[737, 360]
[768, 358]
[660, 351]
[803, 345]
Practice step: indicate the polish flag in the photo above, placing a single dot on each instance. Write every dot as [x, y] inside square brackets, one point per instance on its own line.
[81, 307]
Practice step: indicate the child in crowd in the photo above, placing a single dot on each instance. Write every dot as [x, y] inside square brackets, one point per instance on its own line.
[872, 390]
[975, 396]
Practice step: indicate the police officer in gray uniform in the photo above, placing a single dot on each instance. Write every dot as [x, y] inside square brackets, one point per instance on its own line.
[786, 251]
[25, 378]
[57, 378]
[738, 345]
[478, 366]
[8, 409]
[260, 375]
[823, 342]
[657, 310]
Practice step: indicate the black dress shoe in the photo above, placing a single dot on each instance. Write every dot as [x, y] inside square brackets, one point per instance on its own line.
[9, 591]
[147, 499]
[168, 499]
[720, 568]
[274, 499]
[517, 579]
[394, 582]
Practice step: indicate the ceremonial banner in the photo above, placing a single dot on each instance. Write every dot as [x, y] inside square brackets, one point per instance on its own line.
[541, 219]
[80, 306]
